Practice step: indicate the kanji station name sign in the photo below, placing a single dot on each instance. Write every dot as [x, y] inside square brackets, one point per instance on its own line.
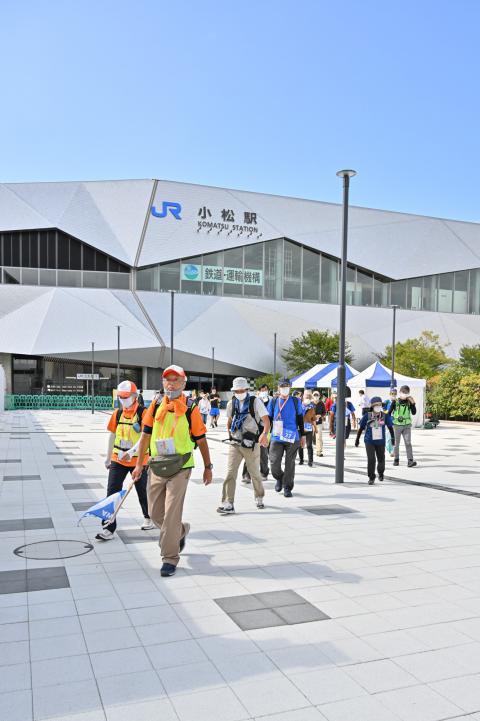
[219, 274]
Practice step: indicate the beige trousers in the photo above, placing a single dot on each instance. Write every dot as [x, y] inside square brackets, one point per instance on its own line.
[237, 454]
[319, 439]
[165, 508]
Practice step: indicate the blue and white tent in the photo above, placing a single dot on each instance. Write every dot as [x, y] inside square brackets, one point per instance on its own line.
[328, 377]
[301, 380]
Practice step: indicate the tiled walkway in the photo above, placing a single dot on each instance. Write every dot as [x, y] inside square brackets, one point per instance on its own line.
[393, 587]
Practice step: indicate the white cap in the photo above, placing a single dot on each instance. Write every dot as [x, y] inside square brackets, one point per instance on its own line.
[239, 384]
[174, 370]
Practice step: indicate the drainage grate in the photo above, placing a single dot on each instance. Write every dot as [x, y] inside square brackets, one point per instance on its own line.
[332, 510]
[51, 550]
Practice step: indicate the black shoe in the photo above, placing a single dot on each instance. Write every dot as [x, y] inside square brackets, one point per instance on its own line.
[371, 481]
[300, 463]
[396, 462]
[310, 463]
[380, 478]
[411, 464]
[287, 493]
[168, 569]
[278, 486]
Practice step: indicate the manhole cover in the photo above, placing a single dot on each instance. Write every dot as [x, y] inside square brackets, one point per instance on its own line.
[49, 550]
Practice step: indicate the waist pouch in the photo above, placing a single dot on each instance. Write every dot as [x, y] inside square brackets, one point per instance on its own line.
[249, 439]
[168, 466]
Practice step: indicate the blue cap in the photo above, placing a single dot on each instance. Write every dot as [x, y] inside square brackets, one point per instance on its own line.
[284, 382]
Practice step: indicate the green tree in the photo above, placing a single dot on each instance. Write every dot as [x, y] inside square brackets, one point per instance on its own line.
[312, 347]
[455, 393]
[269, 380]
[470, 357]
[421, 357]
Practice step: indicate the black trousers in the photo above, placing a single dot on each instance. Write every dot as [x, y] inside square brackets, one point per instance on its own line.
[287, 476]
[375, 454]
[263, 464]
[116, 477]
[309, 444]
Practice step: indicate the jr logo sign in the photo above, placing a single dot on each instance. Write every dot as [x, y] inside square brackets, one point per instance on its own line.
[174, 208]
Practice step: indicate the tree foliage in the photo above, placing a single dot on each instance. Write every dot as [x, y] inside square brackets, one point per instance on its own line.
[312, 347]
[455, 393]
[268, 379]
[470, 357]
[421, 357]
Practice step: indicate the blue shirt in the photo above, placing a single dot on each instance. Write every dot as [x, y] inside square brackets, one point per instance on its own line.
[349, 408]
[288, 415]
[367, 422]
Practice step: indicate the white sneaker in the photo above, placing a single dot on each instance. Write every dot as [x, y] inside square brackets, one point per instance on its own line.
[225, 508]
[148, 525]
[104, 535]
[259, 502]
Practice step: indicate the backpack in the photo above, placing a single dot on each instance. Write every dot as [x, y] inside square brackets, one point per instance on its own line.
[251, 410]
[138, 414]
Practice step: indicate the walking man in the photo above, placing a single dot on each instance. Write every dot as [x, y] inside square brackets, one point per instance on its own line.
[125, 430]
[288, 434]
[401, 410]
[171, 430]
[248, 427]
[320, 412]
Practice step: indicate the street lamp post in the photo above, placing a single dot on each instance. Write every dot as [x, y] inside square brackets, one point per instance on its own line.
[118, 355]
[341, 372]
[213, 367]
[172, 320]
[392, 382]
[274, 360]
[93, 371]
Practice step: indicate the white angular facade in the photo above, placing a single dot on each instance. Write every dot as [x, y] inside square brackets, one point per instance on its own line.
[79, 259]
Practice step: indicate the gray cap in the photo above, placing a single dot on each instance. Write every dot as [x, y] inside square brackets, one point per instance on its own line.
[239, 384]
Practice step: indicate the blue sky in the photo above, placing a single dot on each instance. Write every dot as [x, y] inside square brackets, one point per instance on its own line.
[264, 95]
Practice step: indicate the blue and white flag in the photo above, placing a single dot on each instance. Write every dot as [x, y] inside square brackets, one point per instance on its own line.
[105, 508]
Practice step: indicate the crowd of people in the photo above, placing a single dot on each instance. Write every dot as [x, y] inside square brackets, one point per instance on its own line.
[267, 432]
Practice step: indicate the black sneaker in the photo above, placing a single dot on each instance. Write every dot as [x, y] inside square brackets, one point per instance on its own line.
[310, 463]
[411, 464]
[380, 478]
[396, 462]
[278, 486]
[300, 463]
[371, 481]
[168, 569]
[287, 493]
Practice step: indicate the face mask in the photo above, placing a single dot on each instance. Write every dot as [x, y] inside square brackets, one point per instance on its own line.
[240, 396]
[377, 409]
[402, 396]
[127, 402]
[263, 395]
[284, 391]
[171, 395]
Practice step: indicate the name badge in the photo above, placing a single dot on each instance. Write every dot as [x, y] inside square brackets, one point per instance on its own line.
[288, 436]
[277, 428]
[165, 446]
[125, 445]
[308, 426]
[377, 434]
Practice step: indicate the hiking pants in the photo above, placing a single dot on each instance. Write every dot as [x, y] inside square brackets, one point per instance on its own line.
[165, 503]
[116, 477]
[406, 432]
[309, 444]
[251, 456]
[319, 439]
[375, 453]
[277, 449]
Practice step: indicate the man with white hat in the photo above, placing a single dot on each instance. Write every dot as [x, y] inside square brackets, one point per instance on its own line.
[172, 429]
[248, 427]
[125, 428]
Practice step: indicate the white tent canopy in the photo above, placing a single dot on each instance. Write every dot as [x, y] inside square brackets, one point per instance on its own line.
[376, 380]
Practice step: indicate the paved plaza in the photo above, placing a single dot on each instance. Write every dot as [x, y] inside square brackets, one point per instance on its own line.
[343, 602]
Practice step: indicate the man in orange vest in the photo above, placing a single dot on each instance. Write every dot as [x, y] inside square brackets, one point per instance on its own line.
[125, 427]
[171, 430]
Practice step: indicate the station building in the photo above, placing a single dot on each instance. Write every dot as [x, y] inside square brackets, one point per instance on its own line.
[79, 259]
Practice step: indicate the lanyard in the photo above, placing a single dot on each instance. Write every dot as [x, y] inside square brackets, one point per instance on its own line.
[281, 407]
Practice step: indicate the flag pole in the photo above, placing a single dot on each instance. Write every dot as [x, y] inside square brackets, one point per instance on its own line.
[114, 515]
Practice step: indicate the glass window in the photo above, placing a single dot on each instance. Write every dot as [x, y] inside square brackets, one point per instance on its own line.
[330, 277]
[253, 260]
[380, 293]
[398, 289]
[364, 289]
[191, 275]
[93, 279]
[460, 296]
[119, 280]
[48, 277]
[351, 276]
[213, 273]
[34, 249]
[147, 278]
[30, 276]
[11, 275]
[16, 250]
[63, 251]
[445, 292]
[43, 244]
[7, 249]
[233, 271]
[429, 301]
[52, 249]
[70, 278]
[311, 275]
[292, 268]
[414, 293]
[25, 245]
[170, 276]
[75, 254]
[101, 261]
[273, 275]
[474, 292]
[88, 258]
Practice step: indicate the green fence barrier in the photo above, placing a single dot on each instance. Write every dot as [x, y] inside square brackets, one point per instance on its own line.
[15, 402]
